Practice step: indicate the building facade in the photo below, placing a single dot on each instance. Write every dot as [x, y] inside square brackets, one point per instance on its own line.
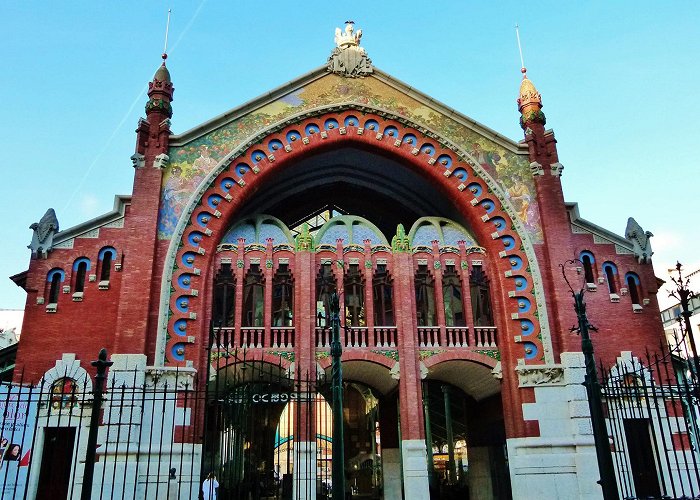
[445, 242]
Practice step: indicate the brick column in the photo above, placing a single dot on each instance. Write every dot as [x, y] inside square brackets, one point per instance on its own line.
[240, 277]
[269, 274]
[439, 298]
[414, 461]
[369, 294]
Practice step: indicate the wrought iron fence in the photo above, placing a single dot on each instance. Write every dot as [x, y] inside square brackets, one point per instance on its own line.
[163, 433]
[652, 411]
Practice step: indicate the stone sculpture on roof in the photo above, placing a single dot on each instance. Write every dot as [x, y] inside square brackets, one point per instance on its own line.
[348, 58]
[44, 230]
[640, 240]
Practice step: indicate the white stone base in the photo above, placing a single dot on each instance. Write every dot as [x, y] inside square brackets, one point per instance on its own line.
[304, 471]
[561, 463]
[415, 469]
[391, 473]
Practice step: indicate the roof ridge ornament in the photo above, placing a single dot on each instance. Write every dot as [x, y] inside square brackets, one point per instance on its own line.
[348, 58]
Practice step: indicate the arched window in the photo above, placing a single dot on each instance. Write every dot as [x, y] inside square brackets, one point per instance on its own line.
[481, 297]
[425, 296]
[106, 257]
[63, 393]
[588, 261]
[610, 276]
[383, 297]
[224, 297]
[354, 297]
[283, 297]
[325, 286]
[633, 286]
[254, 297]
[80, 268]
[452, 298]
[54, 280]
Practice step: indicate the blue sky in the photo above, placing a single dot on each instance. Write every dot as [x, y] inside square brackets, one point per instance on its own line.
[619, 83]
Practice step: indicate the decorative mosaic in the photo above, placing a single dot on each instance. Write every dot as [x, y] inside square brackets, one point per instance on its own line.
[190, 163]
[388, 354]
[426, 353]
[491, 353]
[288, 355]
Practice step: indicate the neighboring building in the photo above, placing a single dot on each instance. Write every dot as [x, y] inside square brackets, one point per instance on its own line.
[10, 330]
[445, 240]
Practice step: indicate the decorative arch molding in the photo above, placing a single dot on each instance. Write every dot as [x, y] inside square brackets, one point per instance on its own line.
[67, 367]
[213, 205]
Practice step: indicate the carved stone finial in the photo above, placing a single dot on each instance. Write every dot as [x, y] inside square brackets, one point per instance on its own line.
[400, 242]
[304, 240]
[348, 58]
[44, 230]
[640, 239]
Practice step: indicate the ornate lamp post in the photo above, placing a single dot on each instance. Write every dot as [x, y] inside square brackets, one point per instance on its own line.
[338, 469]
[684, 294]
[595, 401]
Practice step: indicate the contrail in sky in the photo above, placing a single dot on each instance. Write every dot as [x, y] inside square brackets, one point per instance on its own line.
[126, 116]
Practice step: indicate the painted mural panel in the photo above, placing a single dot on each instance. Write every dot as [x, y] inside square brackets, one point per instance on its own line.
[190, 164]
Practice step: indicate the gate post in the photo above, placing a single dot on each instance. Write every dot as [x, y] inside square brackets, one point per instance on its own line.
[337, 386]
[101, 364]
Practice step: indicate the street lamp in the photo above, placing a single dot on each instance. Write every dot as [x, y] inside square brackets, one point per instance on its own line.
[684, 294]
[595, 402]
[338, 461]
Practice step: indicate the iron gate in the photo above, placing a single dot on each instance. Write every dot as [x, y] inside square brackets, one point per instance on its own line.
[652, 411]
[162, 431]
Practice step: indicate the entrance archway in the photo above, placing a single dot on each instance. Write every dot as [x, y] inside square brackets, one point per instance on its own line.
[465, 432]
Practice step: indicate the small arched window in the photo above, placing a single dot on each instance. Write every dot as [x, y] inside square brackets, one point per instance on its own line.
[354, 287]
[326, 284]
[283, 297]
[54, 280]
[106, 257]
[633, 286]
[383, 297]
[254, 297]
[425, 296]
[452, 298]
[588, 262]
[224, 297]
[481, 297]
[610, 271]
[80, 268]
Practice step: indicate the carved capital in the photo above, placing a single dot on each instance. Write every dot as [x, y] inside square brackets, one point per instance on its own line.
[161, 161]
[557, 169]
[533, 376]
[536, 168]
[138, 160]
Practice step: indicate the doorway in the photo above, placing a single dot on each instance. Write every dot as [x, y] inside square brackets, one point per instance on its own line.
[56, 461]
[641, 455]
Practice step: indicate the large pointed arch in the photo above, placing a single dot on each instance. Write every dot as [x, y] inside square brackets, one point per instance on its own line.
[214, 204]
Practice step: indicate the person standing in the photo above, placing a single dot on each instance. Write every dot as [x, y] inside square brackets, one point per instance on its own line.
[210, 487]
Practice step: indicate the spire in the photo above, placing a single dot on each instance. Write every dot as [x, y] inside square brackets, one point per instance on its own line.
[529, 100]
[160, 92]
[160, 89]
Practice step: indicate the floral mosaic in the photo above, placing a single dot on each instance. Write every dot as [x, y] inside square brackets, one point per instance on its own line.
[190, 164]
